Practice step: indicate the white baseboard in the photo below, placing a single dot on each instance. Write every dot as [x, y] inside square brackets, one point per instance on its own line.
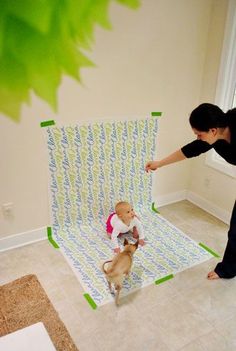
[170, 198]
[197, 200]
[22, 239]
[209, 207]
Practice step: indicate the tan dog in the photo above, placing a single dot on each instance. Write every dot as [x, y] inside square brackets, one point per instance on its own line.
[120, 265]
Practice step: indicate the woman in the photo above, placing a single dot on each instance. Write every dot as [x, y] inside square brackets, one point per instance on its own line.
[214, 129]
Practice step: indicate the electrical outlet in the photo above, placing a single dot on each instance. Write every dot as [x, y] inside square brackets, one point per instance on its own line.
[207, 183]
[7, 210]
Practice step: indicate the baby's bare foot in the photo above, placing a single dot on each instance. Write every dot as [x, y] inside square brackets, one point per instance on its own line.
[212, 275]
[135, 233]
[141, 242]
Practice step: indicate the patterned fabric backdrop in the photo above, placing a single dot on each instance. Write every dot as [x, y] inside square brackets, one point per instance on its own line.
[92, 167]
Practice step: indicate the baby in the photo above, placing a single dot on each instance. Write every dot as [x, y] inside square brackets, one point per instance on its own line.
[122, 221]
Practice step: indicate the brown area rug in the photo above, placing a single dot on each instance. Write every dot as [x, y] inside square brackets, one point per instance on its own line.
[24, 302]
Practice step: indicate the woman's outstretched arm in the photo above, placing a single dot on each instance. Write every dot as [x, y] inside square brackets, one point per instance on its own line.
[172, 158]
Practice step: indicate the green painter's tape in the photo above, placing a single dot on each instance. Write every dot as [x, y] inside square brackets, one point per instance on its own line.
[209, 250]
[90, 301]
[159, 281]
[154, 208]
[50, 239]
[156, 114]
[47, 123]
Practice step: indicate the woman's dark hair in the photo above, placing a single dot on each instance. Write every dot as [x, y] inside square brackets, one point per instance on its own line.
[230, 114]
[207, 116]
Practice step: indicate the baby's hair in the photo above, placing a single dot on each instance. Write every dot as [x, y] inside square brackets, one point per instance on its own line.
[120, 206]
[207, 116]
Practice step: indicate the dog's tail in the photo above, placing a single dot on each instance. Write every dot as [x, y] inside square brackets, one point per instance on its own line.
[103, 266]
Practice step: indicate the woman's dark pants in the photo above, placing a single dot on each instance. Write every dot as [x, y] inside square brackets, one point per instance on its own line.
[227, 268]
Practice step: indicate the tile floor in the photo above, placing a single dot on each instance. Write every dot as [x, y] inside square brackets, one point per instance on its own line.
[187, 313]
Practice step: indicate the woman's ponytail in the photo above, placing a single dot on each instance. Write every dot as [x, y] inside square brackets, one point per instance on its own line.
[230, 114]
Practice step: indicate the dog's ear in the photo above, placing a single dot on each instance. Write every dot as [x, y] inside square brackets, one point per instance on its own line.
[126, 242]
[136, 244]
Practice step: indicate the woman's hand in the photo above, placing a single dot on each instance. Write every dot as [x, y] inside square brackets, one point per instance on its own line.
[152, 166]
[172, 158]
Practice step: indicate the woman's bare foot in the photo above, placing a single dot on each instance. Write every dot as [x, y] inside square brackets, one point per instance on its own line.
[212, 275]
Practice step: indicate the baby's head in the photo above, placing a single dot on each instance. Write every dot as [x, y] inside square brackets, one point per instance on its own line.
[124, 211]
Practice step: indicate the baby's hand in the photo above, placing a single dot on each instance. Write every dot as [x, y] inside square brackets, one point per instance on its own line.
[141, 242]
[117, 250]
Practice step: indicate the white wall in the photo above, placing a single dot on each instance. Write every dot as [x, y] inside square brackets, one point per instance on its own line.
[210, 184]
[154, 59]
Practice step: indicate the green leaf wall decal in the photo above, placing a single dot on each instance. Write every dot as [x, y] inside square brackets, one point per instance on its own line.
[42, 40]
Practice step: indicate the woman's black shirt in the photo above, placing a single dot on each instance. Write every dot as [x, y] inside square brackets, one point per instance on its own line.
[222, 147]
